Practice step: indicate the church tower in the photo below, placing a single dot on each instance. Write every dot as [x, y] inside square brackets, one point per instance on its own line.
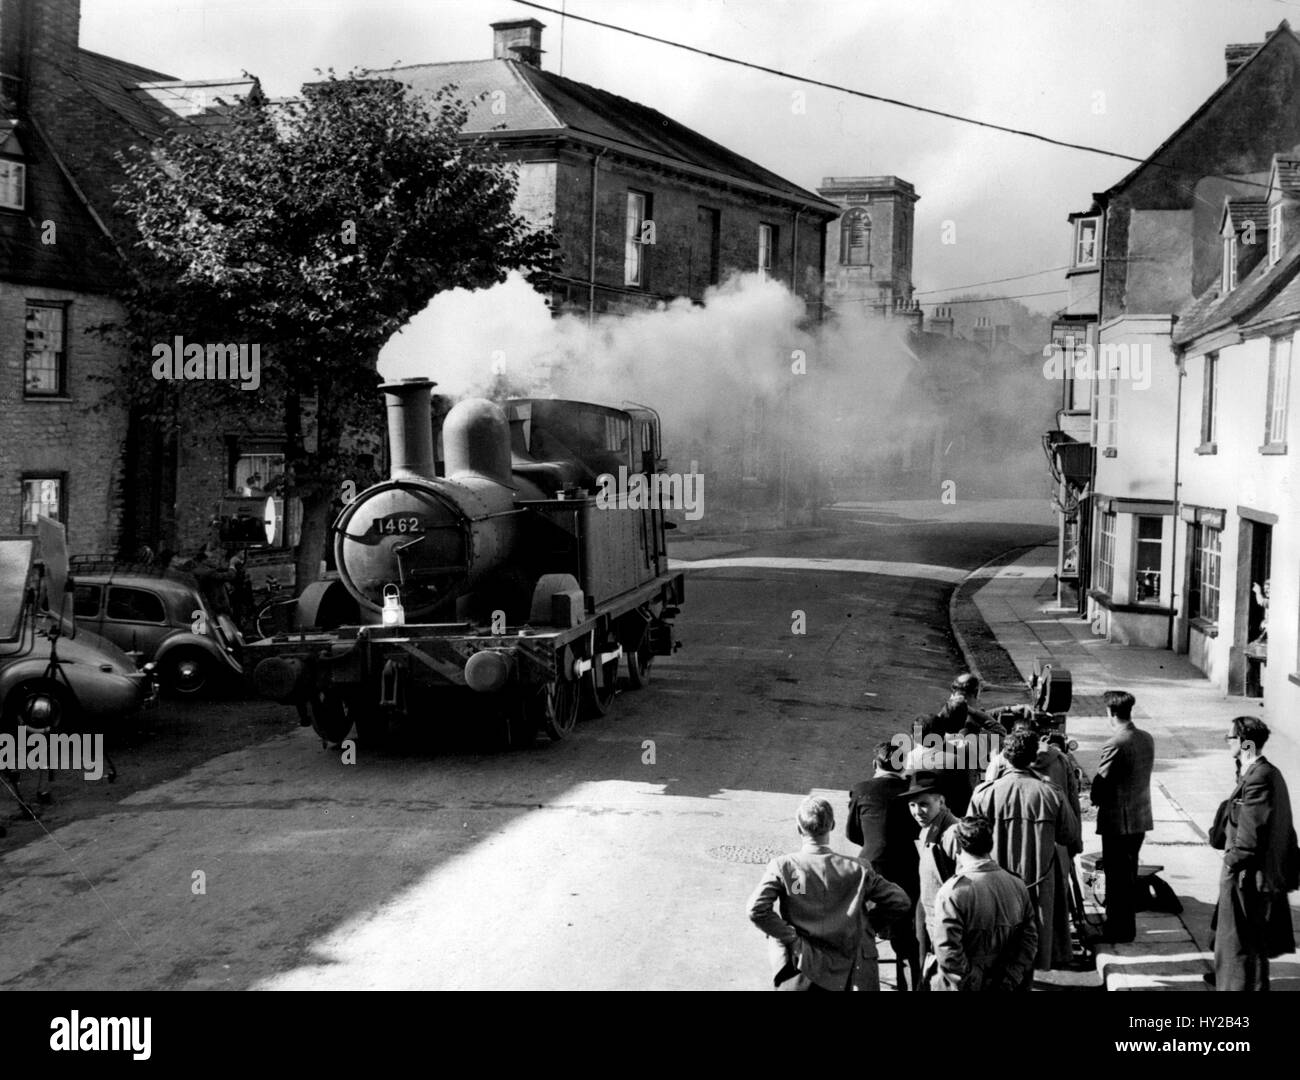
[869, 247]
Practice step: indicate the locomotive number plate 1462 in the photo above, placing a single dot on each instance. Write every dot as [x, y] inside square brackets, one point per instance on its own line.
[398, 525]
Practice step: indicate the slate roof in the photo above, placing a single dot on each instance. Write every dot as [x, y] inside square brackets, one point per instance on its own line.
[1285, 304]
[529, 99]
[112, 83]
[1214, 311]
[1282, 35]
[141, 105]
[80, 257]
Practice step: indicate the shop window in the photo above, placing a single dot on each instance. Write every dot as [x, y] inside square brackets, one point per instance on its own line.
[1147, 560]
[1203, 601]
[1106, 554]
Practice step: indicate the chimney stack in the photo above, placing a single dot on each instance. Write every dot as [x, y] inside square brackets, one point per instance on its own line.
[982, 335]
[1236, 55]
[913, 314]
[941, 323]
[36, 30]
[518, 39]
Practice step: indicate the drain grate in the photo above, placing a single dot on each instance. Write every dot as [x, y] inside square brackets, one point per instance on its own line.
[738, 854]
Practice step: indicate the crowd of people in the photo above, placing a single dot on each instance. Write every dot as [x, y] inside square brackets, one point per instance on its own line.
[968, 874]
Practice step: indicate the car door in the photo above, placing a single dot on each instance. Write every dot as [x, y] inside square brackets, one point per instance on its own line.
[135, 619]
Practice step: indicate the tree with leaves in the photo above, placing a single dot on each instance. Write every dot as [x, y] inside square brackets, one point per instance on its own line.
[314, 228]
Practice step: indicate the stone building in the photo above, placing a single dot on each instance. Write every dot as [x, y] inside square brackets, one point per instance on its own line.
[869, 248]
[644, 208]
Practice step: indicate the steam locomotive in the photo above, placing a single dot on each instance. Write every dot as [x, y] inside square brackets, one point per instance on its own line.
[500, 588]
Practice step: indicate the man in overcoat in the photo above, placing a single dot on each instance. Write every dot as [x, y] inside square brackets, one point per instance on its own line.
[814, 905]
[881, 824]
[1121, 792]
[1030, 817]
[986, 931]
[1253, 919]
[936, 848]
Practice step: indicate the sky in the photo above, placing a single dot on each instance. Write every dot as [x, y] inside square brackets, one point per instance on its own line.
[1119, 75]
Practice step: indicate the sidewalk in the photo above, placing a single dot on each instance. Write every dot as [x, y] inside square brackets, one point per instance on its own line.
[1185, 713]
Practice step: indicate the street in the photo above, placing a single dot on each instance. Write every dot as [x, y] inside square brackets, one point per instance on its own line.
[621, 858]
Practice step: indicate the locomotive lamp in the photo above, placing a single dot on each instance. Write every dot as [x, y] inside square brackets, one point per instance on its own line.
[393, 614]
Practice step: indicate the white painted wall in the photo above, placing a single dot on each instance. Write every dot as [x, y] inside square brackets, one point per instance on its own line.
[1239, 475]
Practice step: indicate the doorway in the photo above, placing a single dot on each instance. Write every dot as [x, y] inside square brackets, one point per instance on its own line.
[1250, 627]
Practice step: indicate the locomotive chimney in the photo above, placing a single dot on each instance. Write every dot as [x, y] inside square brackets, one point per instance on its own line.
[410, 428]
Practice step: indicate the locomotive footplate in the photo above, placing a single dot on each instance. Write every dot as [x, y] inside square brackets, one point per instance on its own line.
[442, 660]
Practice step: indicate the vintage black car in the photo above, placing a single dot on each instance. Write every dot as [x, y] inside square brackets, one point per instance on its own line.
[162, 618]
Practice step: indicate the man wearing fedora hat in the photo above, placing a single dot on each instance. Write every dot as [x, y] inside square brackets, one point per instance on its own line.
[937, 849]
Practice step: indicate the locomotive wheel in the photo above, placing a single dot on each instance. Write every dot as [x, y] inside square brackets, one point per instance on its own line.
[598, 696]
[332, 715]
[554, 708]
[638, 664]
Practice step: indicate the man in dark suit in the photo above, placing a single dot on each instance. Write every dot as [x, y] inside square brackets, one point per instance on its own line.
[881, 824]
[1253, 919]
[1121, 792]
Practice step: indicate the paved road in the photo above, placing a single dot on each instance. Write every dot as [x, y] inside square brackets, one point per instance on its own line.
[583, 864]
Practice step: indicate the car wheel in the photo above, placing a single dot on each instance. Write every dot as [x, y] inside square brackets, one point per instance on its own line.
[18, 699]
[186, 672]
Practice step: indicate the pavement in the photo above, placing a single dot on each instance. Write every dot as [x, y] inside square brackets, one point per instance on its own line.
[1193, 772]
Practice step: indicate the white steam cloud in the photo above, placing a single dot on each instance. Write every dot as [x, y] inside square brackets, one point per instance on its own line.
[768, 403]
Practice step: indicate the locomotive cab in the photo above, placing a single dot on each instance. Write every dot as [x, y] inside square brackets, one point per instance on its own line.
[563, 443]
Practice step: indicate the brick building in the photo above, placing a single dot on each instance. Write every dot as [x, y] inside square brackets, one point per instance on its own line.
[644, 209]
[68, 449]
[65, 112]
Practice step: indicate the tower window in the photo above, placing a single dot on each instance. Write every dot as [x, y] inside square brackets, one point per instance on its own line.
[855, 239]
